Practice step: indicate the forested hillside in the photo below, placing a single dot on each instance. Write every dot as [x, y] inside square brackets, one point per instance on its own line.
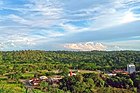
[103, 60]
[18, 67]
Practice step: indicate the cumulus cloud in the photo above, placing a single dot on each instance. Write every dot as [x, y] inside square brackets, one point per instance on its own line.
[17, 41]
[88, 46]
[106, 46]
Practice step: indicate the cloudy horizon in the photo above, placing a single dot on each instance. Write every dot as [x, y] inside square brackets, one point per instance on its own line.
[83, 25]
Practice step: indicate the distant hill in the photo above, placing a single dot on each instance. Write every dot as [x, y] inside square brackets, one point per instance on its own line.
[82, 60]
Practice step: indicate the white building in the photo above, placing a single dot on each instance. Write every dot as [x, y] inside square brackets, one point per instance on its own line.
[131, 68]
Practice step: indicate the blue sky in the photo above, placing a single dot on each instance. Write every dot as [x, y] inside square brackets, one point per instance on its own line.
[70, 24]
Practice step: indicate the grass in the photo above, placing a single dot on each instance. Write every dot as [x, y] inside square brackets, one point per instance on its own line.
[28, 75]
[6, 87]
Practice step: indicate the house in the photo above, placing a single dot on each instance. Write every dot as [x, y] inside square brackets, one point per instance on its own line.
[34, 81]
[111, 74]
[114, 72]
[43, 78]
[118, 71]
[71, 73]
[51, 80]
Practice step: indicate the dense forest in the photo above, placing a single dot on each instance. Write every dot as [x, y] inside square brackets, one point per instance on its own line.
[103, 60]
[23, 65]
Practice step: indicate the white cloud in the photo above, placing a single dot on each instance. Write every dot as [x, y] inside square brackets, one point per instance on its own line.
[16, 41]
[105, 46]
[19, 19]
[55, 34]
[36, 15]
[46, 13]
[88, 46]
[128, 17]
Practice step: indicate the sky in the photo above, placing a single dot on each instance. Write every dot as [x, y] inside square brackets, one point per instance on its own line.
[83, 25]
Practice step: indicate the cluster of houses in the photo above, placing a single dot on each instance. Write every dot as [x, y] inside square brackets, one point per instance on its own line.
[55, 79]
[37, 81]
[130, 69]
[52, 80]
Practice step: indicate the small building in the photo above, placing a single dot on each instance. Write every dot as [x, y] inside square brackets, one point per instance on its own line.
[34, 81]
[117, 71]
[71, 74]
[131, 68]
[43, 78]
[111, 74]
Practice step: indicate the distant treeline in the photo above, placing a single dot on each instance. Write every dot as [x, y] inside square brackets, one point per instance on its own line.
[91, 60]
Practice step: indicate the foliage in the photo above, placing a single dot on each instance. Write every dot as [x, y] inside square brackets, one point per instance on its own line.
[26, 64]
